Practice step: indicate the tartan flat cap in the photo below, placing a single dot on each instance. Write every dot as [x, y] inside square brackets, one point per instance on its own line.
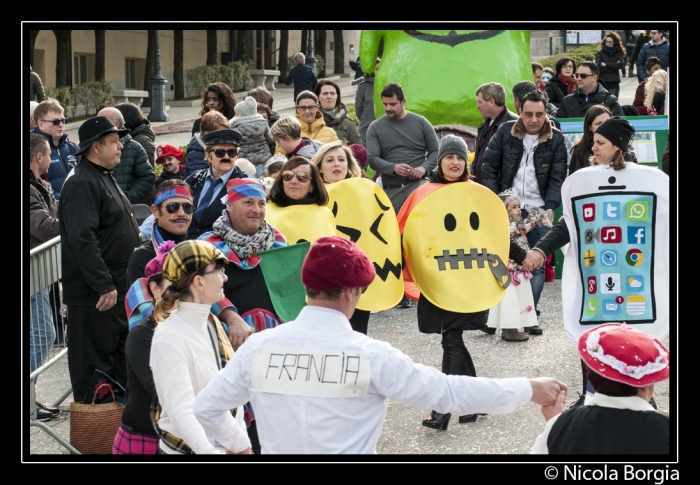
[189, 257]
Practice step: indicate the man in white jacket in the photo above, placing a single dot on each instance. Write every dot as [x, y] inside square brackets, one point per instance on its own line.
[318, 387]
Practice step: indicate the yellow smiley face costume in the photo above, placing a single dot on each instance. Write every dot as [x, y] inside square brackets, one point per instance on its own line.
[301, 223]
[364, 214]
[456, 241]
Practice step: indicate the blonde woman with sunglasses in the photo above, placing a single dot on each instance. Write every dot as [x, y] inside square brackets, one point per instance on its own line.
[336, 163]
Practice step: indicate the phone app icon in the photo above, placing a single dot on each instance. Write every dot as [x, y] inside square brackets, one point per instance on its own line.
[611, 307]
[637, 210]
[635, 283]
[589, 258]
[608, 257]
[611, 211]
[636, 305]
[592, 285]
[588, 212]
[634, 257]
[591, 306]
[611, 234]
[636, 235]
[610, 283]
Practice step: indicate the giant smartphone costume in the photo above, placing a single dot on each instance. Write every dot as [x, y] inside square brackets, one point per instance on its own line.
[616, 268]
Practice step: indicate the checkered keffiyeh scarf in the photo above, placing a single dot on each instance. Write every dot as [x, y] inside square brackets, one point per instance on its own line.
[173, 442]
[240, 249]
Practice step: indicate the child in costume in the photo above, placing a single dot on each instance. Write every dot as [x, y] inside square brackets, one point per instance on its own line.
[256, 140]
[517, 308]
[170, 157]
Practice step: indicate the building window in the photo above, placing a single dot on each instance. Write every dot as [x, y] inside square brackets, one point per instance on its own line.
[331, 46]
[79, 69]
[130, 76]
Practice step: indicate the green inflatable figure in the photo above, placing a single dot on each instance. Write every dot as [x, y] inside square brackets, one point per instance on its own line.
[440, 70]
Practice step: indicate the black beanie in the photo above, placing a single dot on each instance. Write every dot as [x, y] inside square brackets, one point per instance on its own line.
[452, 144]
[617, 130]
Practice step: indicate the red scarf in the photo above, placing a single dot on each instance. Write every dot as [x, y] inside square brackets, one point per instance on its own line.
[569, 82]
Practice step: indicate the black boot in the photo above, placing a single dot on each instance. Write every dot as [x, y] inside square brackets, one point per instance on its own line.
[468, 418]
[437, 420]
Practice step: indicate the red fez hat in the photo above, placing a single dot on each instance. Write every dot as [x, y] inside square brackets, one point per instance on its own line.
[334, 262]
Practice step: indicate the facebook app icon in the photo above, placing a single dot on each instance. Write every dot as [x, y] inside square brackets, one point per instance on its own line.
[636, 235]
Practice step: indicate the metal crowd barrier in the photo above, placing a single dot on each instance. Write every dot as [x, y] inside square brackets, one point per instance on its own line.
[47, 318]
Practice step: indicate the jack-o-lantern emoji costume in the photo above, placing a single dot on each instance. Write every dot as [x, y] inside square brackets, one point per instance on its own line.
[364, 214]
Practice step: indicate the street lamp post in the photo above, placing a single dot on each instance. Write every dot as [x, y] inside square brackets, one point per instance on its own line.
[158, 83]
[310, 59]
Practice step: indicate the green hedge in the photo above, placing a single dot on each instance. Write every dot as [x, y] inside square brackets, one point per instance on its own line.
[233, 74]
[580, 54]
[93, 96]
[64, 97]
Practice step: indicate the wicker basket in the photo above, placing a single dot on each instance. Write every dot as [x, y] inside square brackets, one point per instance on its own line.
[94, 426]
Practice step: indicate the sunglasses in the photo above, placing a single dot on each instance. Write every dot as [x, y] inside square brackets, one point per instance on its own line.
[56, 122]
[173, 207]
[307, 108]
[582, 76]
[220, 152]
[302, 177]
[609, 43]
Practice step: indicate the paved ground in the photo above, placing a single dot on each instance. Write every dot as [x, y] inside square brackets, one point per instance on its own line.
[551, 354]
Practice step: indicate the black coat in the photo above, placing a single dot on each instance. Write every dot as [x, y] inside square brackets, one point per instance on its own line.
[211, 214]
[432, 319]
[505, 151]
[98, 235]
[611, 70]
[555, 238]
[576, 104]
[476, 166]
[587, 430]
[144, 135]
[556, 91]
[179, 175]
[303, 78]
[135, 174]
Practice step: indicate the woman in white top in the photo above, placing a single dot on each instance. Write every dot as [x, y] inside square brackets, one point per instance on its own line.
[189, 347]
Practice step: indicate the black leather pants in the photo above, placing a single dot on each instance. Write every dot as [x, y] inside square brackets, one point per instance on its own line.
[456, 359]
